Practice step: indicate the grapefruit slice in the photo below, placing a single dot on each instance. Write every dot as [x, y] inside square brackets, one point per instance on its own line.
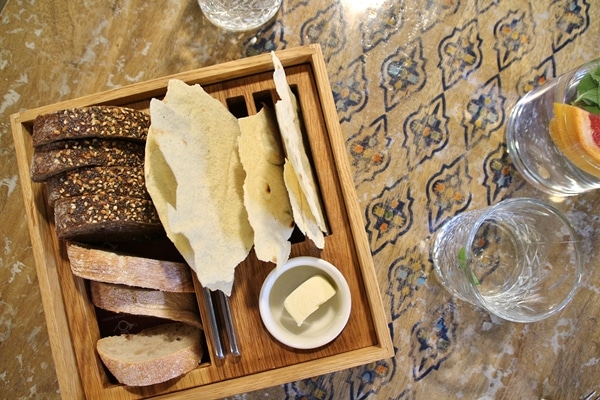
[576, 133]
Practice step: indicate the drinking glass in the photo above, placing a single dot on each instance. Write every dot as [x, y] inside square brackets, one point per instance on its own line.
[534, 153]
[519, 259]
[239, 15]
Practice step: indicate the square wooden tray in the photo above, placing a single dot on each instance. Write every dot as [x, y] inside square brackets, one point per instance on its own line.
[242, 85]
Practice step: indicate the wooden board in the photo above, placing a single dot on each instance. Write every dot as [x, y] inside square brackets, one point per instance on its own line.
[243, 86]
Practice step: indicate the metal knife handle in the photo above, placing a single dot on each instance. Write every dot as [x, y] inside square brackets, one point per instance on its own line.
[212, 325]
[228, 320]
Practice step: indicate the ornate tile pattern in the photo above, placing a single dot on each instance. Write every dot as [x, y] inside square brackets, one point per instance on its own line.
[426, 131]
[328, 28]
[403, 74]
[540, 75]
[433, 339]
[318, 388]
[460, 54]
[514, 37]
[366, 381]
[349, 87]
[499, 175]
[378, 28]
[484, 113]
[572, 18]
[389, 215]
[406, 275]
[433, 12]
[448, 192]
[369, 150]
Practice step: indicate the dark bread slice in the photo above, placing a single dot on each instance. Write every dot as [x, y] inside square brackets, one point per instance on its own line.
[106, 218]
[114, 181]
[66, 155]
[91, 122]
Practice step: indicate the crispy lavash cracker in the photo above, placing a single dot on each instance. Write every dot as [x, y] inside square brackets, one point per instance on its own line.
[194, 176]
[298, 175]
[265, 195]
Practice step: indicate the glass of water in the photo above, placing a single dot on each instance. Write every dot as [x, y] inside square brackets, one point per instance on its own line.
[551, 158]
[519, 259]
[239, 15]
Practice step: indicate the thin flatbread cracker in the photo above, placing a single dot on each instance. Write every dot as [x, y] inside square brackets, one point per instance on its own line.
[265, 194]
[206, 220]
[303, 189]
[304, 221]
[162, 186]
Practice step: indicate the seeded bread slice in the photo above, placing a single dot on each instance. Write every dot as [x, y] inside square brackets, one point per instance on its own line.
[89, 122]
[152, 356]
[180, 307]
[106, 218]
[114, 181]
[66, 155]
[107, 266]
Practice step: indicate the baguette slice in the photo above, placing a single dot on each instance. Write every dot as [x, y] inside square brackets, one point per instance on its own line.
[180, 307]
[152, 356]
[107, 266]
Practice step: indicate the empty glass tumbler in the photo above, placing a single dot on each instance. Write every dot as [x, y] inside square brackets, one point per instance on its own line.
[519, 259]
[239, 15]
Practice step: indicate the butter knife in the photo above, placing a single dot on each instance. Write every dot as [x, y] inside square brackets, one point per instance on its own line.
[228, 322]
[212, 325]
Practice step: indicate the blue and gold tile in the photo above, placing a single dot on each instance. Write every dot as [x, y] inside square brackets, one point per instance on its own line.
[460, 54]
[448, 192]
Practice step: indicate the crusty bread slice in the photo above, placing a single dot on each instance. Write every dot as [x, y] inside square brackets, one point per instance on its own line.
[113, 267]
[88, 122]
[152, 356]
[181, 307]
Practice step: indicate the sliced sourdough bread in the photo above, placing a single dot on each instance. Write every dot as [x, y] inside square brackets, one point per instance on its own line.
[180, 307]
[90, 122]
[112, 267]
[154, 355]
[66, 155]
[115, 181]
[106, 218]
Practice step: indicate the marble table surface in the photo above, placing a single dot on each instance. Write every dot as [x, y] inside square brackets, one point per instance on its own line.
[423, 90]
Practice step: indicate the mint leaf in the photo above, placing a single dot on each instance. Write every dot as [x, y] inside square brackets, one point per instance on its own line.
[590, 97]
[594, 109]
[586, 83]
[588, 92]
[462, 258]
[595, 75]
[462, 262]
